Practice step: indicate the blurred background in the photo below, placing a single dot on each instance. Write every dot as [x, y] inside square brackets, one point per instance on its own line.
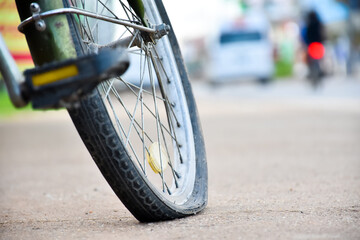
[255, 42]
[233, 40]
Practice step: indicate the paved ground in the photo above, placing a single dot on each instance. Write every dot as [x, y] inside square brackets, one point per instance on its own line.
[284, 163]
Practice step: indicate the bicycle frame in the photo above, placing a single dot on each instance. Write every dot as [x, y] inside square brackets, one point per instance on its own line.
[11, 75]
[46, 28]
[52, 44]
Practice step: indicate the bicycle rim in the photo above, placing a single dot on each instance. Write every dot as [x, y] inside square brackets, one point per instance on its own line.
[147, 105]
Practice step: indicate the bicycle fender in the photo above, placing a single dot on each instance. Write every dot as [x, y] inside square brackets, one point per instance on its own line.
[55, 42]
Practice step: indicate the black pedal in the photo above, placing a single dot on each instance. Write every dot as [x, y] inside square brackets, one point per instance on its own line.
[61, 84]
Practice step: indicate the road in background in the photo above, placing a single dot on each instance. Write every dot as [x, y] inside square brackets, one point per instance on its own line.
[284, 163]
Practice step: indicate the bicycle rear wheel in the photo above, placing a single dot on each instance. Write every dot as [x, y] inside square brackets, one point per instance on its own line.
[142, 129]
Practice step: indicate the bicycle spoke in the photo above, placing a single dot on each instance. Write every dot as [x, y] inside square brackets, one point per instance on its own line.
[143, 114]
[133, 38]
[108, 9]
[118, 124]
[89, 35]
[123, 131]
[127, 9]
[162, 66]
[169, 119]
[106, 94]
[123, 105]
[152, 83]
[167, 107]
[96, 25]
[133, 115]
[129, 86]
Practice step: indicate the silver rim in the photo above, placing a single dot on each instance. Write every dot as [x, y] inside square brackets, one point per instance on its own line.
[147, 105]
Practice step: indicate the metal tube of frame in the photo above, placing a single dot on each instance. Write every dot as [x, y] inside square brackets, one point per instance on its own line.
[85, 13]
[11, 74]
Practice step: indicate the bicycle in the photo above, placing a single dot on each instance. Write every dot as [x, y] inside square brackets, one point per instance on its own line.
[146, 140]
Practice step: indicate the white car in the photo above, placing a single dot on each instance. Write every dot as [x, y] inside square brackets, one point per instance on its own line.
[242, 50]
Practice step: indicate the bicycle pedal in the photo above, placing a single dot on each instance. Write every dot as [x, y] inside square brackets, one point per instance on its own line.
[62, 84]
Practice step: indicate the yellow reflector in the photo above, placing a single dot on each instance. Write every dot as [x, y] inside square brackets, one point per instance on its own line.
[157, 157]
[55, 75]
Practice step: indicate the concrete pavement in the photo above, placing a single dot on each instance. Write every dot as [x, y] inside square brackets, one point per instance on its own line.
[284, 163]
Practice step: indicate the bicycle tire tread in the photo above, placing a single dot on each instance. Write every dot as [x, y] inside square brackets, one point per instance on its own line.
[116, 166]
[99, 136]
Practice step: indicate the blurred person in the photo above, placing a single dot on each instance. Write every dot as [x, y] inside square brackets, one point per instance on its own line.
[314, 37]
[354, 35]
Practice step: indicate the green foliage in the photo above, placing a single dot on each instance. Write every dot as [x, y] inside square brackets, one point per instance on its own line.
[283, 69]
